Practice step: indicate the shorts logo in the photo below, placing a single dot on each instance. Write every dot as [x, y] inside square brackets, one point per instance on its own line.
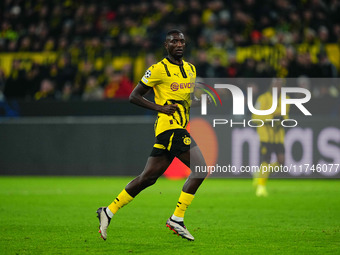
[187, 140]
[174, 86]
[147, 74]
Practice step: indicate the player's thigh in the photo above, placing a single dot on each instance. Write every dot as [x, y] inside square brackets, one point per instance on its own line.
[156, 166]
[193, 157]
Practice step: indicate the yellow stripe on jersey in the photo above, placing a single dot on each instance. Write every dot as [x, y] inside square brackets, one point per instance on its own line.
[172, 84]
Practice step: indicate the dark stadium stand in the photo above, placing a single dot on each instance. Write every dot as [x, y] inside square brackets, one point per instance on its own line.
[97, 50]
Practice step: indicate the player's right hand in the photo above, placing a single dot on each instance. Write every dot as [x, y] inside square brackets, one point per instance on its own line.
[169, 109]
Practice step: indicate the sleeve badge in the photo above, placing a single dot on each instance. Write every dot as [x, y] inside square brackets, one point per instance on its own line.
[147, 74]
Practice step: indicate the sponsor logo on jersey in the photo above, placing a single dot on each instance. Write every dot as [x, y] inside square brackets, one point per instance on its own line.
[175, 86]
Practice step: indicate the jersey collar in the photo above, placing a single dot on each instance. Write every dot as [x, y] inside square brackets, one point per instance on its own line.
[173, 62]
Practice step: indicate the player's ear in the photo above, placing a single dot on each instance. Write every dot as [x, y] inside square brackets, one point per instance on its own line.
[166, 45]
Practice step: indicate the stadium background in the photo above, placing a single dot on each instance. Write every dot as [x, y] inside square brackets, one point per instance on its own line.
[67, 68]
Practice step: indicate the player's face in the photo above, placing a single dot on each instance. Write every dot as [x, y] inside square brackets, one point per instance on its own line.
[175, 45]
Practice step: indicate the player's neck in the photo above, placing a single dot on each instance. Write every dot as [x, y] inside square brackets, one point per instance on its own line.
[174, 60]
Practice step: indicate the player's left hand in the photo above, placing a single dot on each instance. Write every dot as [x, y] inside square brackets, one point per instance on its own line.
[169, 109]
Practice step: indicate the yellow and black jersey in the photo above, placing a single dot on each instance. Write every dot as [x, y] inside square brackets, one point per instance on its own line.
[267, 133]
[172, 84]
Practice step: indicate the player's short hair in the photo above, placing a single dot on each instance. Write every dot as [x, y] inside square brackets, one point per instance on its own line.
[171, 32]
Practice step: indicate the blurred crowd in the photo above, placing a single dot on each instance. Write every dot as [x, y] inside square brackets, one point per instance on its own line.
[83, 31]
[66, 81]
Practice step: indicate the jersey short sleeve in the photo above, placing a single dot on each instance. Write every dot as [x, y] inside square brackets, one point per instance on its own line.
[152, 76]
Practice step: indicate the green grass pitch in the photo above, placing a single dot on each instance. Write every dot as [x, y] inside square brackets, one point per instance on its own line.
[56, 215]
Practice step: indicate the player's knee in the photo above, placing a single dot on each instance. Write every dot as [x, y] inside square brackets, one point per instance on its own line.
[147, 181]
[196, 172]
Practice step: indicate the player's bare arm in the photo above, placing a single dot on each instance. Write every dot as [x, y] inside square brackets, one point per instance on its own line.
[137, 97]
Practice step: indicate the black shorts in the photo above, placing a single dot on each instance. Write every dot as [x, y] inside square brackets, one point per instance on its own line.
[172, 142]
[266, 150]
